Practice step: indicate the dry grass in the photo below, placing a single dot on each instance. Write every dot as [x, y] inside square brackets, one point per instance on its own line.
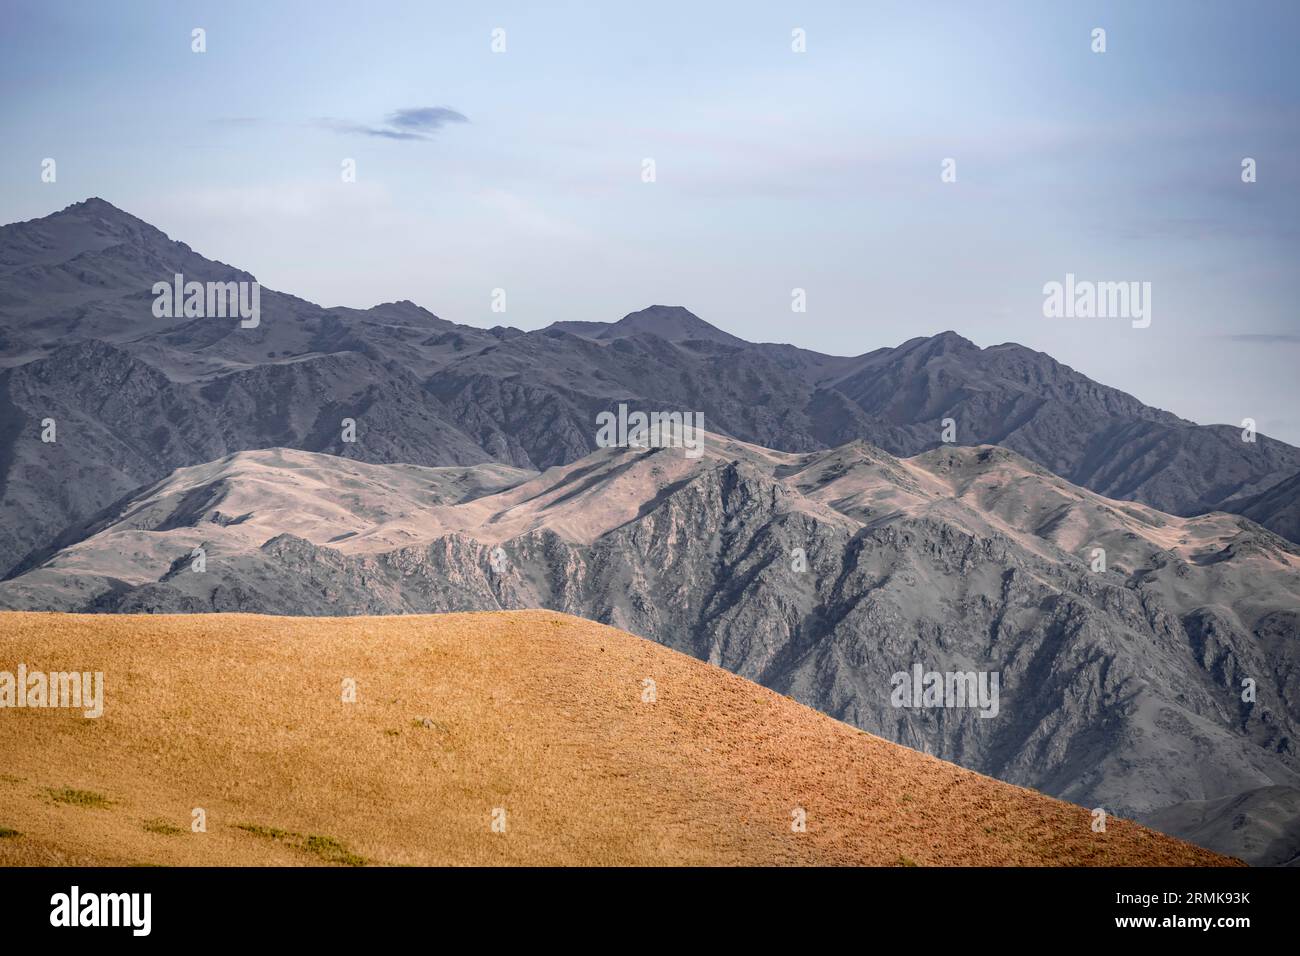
[532, 711]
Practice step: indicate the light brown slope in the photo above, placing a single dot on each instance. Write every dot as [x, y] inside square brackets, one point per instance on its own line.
[532, 711]
[234, 505]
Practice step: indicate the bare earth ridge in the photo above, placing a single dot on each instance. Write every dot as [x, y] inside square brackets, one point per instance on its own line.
[534, 712]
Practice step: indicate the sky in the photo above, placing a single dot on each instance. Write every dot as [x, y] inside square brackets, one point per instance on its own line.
[523, 169]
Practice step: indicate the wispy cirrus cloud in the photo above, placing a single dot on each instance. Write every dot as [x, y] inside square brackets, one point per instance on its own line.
[426, 118]
[1266, 338]
[416, 123]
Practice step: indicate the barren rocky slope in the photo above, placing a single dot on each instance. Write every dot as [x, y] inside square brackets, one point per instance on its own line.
[1261, 825]
[135, 396]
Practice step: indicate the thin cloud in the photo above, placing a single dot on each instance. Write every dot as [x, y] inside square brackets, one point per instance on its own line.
[1266, 338]
[409, 124]
[426, 118]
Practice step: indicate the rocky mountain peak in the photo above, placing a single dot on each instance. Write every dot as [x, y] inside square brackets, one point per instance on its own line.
[671, 322]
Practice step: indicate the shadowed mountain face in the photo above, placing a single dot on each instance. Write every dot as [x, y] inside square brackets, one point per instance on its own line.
[1277, 508]
[134, 397]
[1262, 826]
[821, 575]
[121, 423]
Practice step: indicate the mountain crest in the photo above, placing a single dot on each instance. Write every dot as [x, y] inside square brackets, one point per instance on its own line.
[672, 322]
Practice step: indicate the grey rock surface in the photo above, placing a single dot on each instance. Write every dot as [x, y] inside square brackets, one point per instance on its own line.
[1120, 689]
[137, 396]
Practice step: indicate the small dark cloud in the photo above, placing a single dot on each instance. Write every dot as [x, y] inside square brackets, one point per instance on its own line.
[359, 129]
[409, 124]
[1266, 338]
[426, 118]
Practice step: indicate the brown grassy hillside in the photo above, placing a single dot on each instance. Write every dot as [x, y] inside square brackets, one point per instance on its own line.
[532, 711]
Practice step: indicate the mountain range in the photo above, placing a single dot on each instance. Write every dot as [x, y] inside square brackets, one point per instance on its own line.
[137, 396]
[820, 575]
[827, 539]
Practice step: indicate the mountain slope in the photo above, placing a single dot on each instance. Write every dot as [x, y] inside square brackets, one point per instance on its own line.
[541, 716]
[539, 392]
[1261, 825]
[84, 274]
[121, 423]
[1276, 508]
[1121, 688]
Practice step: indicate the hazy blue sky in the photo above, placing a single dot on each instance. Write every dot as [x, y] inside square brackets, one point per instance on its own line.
[775, 169]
